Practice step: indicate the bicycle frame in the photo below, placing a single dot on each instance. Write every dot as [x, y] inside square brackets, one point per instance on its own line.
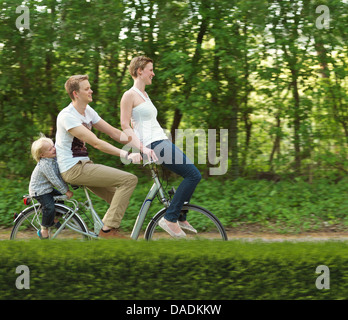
[73, 210]
[156, 187]
[98, 223]
[34, 206]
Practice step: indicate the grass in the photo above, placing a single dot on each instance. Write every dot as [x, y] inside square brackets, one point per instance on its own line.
[285, 207]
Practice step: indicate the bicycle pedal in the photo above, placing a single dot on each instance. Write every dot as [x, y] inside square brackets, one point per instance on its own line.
[172, 191]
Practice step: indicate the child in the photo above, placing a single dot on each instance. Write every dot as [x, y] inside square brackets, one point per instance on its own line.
[45, 176]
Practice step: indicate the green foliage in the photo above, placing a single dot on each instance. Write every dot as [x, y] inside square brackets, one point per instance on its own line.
[286, 206]
[261, 69]
[204, 270]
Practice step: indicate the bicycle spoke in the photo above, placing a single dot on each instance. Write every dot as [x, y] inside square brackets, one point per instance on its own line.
[26, 226]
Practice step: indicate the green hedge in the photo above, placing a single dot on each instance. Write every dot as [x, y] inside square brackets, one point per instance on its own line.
[172, 270]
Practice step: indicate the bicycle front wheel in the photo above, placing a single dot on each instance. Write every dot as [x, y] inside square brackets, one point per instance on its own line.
[207, 225]
[29, 222]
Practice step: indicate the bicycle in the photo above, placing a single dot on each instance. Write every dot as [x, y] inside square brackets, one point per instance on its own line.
[70, 224]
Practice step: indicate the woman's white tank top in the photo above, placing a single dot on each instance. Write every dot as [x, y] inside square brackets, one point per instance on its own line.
[144, 121]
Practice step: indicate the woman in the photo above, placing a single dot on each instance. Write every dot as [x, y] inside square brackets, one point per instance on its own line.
[148, 136]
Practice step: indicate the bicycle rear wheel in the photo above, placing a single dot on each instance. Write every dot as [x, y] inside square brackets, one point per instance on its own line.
[207, 225]
[29, 222]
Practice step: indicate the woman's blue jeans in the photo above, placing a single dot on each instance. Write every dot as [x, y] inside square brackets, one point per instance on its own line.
[176, 161]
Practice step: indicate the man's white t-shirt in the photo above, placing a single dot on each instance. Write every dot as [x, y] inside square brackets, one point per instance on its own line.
[71, 150]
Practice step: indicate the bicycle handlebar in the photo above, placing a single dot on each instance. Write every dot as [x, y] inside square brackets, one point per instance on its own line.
[148, 163]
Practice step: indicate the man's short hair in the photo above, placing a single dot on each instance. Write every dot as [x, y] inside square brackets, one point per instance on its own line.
[73, 84]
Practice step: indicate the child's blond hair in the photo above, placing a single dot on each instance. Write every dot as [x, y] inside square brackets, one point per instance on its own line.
[37, 146]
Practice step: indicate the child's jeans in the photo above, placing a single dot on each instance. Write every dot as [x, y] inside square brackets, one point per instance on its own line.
[48, 210]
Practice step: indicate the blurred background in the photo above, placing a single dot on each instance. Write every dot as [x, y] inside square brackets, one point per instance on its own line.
[271, 72]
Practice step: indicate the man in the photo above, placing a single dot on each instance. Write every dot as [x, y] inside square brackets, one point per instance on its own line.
[74, 124]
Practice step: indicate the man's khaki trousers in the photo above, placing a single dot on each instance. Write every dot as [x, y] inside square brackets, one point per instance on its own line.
[112, 185]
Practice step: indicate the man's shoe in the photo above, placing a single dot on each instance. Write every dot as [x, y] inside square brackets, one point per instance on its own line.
[112, 234]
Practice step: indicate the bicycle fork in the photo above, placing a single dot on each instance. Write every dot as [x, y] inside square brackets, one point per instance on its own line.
[156, 187]
[143, 211]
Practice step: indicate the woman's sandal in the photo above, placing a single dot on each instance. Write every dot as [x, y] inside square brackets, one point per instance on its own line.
[187, 227]
[162, 223]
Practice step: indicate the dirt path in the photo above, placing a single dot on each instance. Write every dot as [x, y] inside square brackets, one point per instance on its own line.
[5, 234]
[308, 236]
[257, 233]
